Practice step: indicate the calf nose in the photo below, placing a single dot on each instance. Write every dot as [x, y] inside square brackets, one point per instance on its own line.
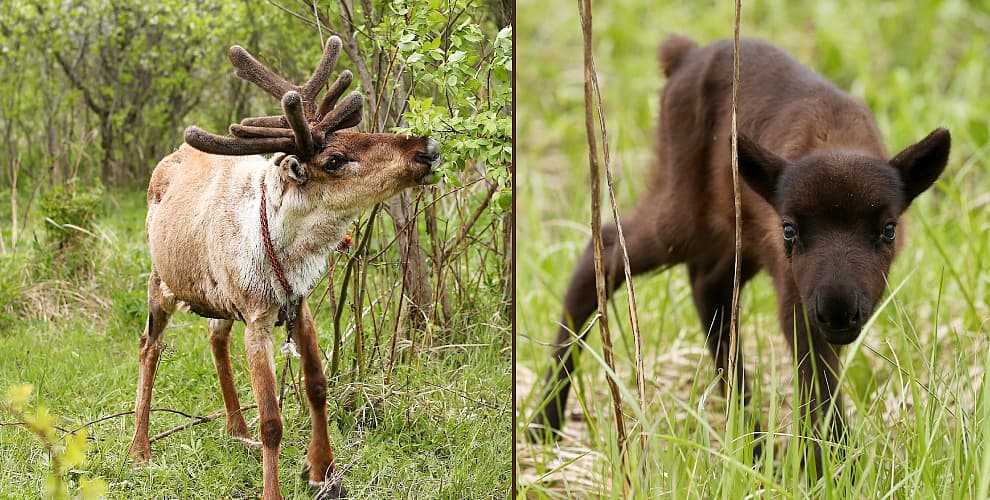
[836, 312]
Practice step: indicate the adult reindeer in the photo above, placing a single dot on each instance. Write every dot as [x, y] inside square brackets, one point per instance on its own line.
[239, 237]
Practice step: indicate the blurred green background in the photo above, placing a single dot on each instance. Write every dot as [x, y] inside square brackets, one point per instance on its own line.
[920, 424]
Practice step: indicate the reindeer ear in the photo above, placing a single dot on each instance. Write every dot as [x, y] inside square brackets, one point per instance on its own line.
[293, 169]
[760, 168]
[920, 164]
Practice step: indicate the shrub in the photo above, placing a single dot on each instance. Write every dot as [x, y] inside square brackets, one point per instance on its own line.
[69, 212]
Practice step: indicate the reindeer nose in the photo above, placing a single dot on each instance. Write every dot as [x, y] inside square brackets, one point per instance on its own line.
[432, 155]
[839, 312]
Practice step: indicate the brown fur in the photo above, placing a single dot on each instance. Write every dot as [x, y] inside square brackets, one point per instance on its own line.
[811, 156]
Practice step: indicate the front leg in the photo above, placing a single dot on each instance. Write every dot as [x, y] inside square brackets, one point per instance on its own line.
[319, 458]
[818, 377]
[258, 345]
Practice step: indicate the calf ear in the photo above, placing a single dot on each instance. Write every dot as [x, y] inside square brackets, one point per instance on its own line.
[760, 168]
[921, 163]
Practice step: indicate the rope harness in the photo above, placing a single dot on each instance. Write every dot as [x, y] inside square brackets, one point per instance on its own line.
[292, 308]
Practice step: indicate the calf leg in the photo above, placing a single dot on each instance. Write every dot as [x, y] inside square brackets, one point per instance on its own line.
[818, 378]
[258, 345]
[711, 288]
[159, 312]
[650, 244]
[220, 345]
[319, 458]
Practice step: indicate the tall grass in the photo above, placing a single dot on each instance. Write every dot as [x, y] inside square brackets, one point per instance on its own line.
[914, 384]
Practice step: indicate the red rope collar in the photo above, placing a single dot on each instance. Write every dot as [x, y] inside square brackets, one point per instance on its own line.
[269, 250]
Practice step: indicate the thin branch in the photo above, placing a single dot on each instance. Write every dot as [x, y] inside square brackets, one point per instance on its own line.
[197, 421]
[584, 8]
[466, 397]
[466, 227]
[626, 267]
[335, 356]
[734, 321]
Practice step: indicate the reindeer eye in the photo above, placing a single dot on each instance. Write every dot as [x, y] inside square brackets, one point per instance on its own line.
[889, 230]
[790, 232]
[335, 162]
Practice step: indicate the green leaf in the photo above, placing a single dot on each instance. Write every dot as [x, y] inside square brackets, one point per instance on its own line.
[17, 396]
[92, 489]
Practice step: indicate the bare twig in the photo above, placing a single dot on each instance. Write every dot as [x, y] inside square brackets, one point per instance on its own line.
[465, 396]
[584, 8]
[197, 421]
[734, 321]
[335, 355]
[626, 267]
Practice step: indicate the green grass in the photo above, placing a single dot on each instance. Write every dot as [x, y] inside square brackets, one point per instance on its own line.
[438, 428]
[918, 417]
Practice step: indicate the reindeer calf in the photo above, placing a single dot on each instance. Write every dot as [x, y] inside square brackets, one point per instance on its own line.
[820, 205]
[240, 237]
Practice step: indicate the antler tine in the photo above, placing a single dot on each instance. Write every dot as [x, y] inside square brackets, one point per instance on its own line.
[292, 106]
[237, 146]
[291, 133]
[336, 90]
[275, 121]
[250, 132]
[345, 115]
[248, 68]
[322, 73]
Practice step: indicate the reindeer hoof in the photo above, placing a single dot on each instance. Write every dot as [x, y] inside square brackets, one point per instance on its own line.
[332, 488]
[140, 455]
[326, 491]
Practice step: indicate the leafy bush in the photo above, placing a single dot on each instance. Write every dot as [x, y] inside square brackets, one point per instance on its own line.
[64, 454]
[69, 213]
[10, 292]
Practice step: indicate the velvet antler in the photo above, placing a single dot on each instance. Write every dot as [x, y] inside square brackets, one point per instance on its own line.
[303, 127]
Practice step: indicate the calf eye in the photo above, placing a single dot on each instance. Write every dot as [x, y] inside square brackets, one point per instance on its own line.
[889, 230]
[790, 232]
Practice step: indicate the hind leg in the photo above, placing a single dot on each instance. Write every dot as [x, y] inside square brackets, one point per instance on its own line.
[220, 345]
[159, 311]
[650, 244]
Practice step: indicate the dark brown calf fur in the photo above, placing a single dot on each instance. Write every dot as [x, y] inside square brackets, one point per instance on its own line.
[816, 173]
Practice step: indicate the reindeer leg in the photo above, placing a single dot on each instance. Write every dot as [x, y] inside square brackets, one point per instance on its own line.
[711, 288]
[258, 345]
[159, 311]
[818, 371]
[320, 463]
[650, 244]
[220, 345]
